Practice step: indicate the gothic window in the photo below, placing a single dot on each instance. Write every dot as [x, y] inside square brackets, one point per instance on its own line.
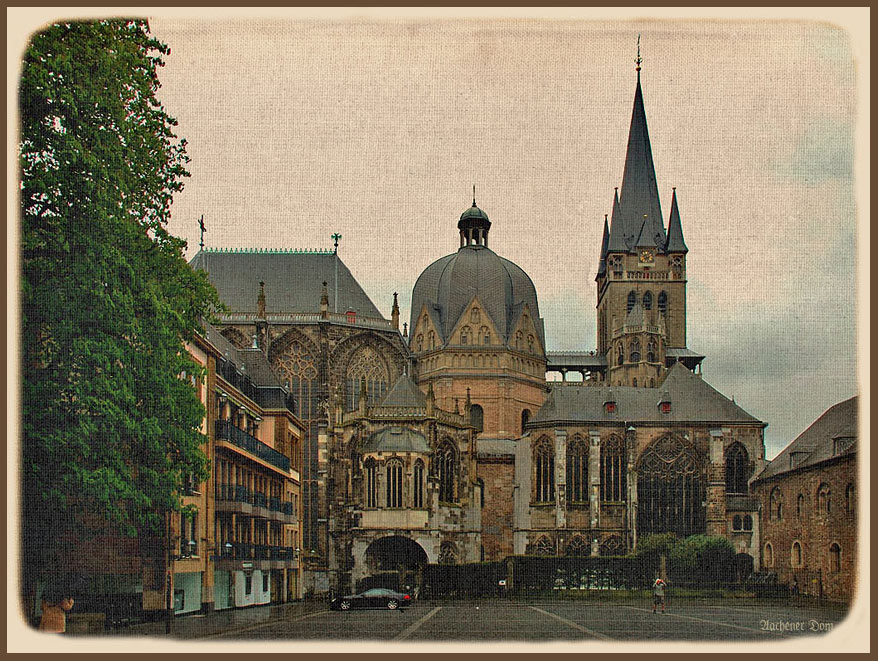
[632, 300]
[418, 484]
[800, 506]
[796, 555]
[824, 499]
[613, 470]
[371, 482]
[737, 469]
[366, 366]
[481, 484]
[431, 340]
[835, 558]
[768, 555]
[647, 300]
[775, 507]
[748, 522]
[419, 343]
[849, 499]
[620, 354]
[485, 335]
[612, 545]
[447, 553]
[651, 349]
[394, 483]
[465, 334]
[634, 351]
[663, 302]
[530, 343]
[670, 488]
[577, 470]
[544, 471]
[477, 417]
[525, 417]
[736, 522]
[474, 315]
[578, 547]
[447, 471]
[519, 337]
[544, 547]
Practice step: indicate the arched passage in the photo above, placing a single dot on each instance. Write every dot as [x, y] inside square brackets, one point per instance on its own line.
[393, 562]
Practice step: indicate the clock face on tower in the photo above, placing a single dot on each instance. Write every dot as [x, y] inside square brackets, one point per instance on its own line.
[646, 257]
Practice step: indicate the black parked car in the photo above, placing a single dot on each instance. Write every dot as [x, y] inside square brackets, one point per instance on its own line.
[374, 598]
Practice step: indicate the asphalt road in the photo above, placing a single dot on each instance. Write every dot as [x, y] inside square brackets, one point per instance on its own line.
[542, 621]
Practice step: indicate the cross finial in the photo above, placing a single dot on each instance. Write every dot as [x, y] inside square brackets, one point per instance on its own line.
[639, 59]
[474, 195]
[335, 237]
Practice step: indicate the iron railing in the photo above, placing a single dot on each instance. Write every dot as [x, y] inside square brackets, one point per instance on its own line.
[226, 431]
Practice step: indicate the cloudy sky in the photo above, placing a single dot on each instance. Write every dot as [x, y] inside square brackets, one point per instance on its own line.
[378, 127]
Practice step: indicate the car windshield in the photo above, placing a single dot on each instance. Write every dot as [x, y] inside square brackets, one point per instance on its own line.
[374, 592]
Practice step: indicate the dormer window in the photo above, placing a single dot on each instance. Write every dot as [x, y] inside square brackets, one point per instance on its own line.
[351, 316]
[610, 406]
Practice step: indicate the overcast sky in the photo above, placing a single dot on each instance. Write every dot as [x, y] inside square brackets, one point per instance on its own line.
[377, 129]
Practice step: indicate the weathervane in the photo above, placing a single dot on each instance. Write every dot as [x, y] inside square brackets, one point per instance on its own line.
[639, 59]
[474, 195]
[203, 230]
[335, 237]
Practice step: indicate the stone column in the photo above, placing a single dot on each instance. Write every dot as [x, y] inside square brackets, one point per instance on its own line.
[631, 505]
[716, 486]
[560, 478]
[594, 486]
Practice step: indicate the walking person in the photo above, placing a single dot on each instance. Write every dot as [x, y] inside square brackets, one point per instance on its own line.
[658, 594]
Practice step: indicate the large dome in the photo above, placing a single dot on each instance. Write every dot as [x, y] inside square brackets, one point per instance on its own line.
[448, 285]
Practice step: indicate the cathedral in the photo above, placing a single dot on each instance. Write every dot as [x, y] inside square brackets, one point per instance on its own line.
[444, 441]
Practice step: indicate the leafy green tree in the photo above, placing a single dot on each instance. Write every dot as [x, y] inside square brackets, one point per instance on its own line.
[110, 426]
[703, 560]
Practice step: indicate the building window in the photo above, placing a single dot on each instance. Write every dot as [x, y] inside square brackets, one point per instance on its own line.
[481, 484]
[248, 583]
[577, 470]
[371, 470]
[519, 336]
[737, 469]
[736, 522]
[768, 555]
[634, 351]
[188, 534]
[775, 507]
[850, 499]
[651, 349]
[367, 366]
[465, 333]
[265, 576]
[394, 483]
[477, 417]
[835, 558]
[632, 300]
[647, 300]
[614, 464]
[447, 470]
[431, 339]
[671, 488]
[419, 343]
[796, 555]
[418, 484]
[525, 417]
[800, 506]
[447, 554]
[748, 522]
[824, 499]
[544, 470]
[485, 335]
[620, 355]
[544, 547]
[578, 547]
[663, 302]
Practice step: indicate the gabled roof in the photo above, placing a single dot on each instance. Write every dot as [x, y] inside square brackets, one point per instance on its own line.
[692, 401]
[819, 441]
[404, 393]
[293, 281]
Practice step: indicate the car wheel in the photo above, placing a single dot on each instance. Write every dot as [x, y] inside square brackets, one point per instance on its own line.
[345, 605]
[392, 604]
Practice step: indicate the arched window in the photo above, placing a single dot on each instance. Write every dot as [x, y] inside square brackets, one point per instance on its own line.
[474, 315]
[447, 470]
[663, 302]
[544, 547]
[519, 338]
[796, 555]
[481, 484]
[634, 351]
[800, 506]
[748, 522]
[850, 498]
[431, 339]
[768, 555]
[544, 471]
[647, 300]
[651, 351]
[671, 481]
[736, 522]
[614, 465]
[578, 547]
[775, 507]
[447, 553]
[824, 499]
[418, 484]
[371, 474]
[834, 558]
[530, 343]
[367, 366]
[485, 334]
[525, 417]
[477, 417]
[620, 355]
[737, 469]
[394, 483]
[632, 300]
[577, 470]
[465, 334]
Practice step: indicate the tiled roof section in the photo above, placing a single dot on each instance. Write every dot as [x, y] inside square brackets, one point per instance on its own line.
[257, 368]
[691, 398]
[293, 281]
[405, 393]
[827, 437]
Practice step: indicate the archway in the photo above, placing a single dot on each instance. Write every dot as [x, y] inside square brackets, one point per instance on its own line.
[393, 562]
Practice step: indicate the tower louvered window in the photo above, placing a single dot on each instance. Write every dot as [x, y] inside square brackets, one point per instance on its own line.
[663, 302]
[647, 300]
[632, 300]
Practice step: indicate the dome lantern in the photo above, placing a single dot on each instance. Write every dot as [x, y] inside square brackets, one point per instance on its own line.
[473, 226]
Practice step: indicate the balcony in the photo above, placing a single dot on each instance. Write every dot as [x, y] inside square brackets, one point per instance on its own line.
[239, 499]
[265, 555]
[226, 431]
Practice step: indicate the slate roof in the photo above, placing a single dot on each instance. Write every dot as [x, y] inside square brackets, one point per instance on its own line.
[293, 281]
[818, 442]
[405, 393]
[692, 400]
[449, 284]
[396, 439]
[675, 229]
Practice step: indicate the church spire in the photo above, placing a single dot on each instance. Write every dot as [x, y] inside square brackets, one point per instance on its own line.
[675, 229]
[605, 241]
[617, 241]
[639, 196]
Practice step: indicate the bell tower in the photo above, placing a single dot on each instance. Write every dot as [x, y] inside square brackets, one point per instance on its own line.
[641, 279]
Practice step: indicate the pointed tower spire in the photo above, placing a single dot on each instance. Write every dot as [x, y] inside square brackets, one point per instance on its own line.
[394, 313]
[639, 195]
[605, 241]
[675, 229]
[617, 241]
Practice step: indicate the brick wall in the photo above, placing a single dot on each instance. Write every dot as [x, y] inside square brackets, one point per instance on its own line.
[498, 475]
